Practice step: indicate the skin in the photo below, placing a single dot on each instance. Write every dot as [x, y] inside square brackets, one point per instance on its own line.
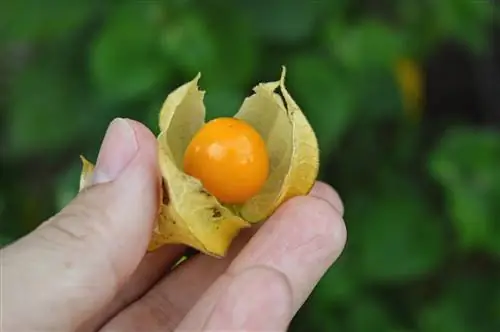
[230, 158]
[86, 268]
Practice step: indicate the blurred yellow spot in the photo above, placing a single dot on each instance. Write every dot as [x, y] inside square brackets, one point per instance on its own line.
[409, 76]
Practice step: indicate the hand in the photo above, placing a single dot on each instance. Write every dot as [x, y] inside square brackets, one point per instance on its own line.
[86, 268]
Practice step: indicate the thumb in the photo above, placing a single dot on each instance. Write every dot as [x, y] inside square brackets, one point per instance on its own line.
[73, 264]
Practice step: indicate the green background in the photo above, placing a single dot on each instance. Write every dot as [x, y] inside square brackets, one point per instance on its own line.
[420, 180]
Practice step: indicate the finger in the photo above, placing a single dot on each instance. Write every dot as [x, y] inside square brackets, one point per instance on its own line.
[324, 191]
[286, 258]
[73, 264]
[168, 302]
[202, 270]
[152, 268]
[164, 306]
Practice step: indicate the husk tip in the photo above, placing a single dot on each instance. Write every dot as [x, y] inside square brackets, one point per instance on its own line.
[283, 74]
[197, 78]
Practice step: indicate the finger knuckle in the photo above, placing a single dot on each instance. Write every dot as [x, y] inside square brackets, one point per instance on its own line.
[78, 223]
[330, 195]
[163, 310]
[325, 223]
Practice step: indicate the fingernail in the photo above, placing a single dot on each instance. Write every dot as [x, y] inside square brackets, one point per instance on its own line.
[259, 299]
[117, 150]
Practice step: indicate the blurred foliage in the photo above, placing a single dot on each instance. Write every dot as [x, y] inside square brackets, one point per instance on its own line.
[420, 188]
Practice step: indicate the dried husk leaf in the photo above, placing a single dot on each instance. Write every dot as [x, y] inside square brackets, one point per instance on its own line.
[291, 144]
[87, 172]
[189, 214]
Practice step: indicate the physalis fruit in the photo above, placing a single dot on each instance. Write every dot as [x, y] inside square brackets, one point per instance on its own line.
[225, 175]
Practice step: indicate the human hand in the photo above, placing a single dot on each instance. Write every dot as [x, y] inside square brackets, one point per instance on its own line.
[86, 268]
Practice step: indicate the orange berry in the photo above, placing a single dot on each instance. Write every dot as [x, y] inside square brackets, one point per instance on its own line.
[230, 158]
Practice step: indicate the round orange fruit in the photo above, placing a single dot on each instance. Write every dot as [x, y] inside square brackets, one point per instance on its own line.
[230, 159]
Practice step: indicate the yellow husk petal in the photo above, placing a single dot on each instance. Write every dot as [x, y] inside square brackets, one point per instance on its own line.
[87, 171]
[291, 143]
[189, 214]
[192, 215]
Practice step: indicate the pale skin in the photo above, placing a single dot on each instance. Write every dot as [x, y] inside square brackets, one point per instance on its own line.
[86, 268]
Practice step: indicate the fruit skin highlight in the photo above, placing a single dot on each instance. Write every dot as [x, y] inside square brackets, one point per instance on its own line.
[230, 158]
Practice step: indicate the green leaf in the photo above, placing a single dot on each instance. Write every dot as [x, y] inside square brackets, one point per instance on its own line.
[465, 19]
[190, 44]
[466, 163]
[467, 304]
[45, 111]
[152, 112]
[225, 52]
[369, 44]
[66, 186]
[339, 284]
[338, 287]
[28, 21]
[223, 101]
[311, 317]
[394, 232]
[126, 59]
[326, 99]
[238, 52]
[4, 237]
[282, 20]
[5, 240]
[378, 95]
[366, 314]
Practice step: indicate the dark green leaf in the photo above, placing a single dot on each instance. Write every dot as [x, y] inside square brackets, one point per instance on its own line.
[394, 232]
[369, 44]
[126, 59]
[67, 185]
[367, 314]
[238, 51]
[465, 19]
[5, 240]
[223, 101]
[29, 21]
[189, 42]
[339, 284]
[326, 99]
[312, 317]
[42, 100]
[225, 53]
[466, 163]
[468, 304]
[379, 96]
[282, 20]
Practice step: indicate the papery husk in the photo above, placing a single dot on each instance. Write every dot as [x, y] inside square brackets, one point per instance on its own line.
[87, 172]
[188, 213]
[291, 143]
